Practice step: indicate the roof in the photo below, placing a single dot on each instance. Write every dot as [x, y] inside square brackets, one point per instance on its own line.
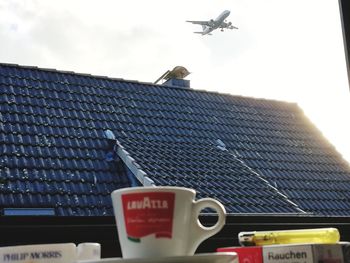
[254, 155]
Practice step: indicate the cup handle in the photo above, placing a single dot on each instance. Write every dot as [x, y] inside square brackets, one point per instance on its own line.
[199, 232]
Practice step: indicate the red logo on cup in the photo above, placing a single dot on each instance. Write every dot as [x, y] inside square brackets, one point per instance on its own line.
[148, 213]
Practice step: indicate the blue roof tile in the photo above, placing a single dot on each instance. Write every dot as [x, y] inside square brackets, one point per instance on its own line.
[54, 155]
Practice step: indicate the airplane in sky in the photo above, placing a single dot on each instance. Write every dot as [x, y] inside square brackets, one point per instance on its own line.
[210, 25]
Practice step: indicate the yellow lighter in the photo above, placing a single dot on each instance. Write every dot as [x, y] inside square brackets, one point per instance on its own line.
[261, 238]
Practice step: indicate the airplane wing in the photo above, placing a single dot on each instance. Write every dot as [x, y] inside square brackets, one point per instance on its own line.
[203, 23]
[210, 34]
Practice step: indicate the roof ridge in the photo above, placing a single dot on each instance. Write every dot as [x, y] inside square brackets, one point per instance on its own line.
[147, 83]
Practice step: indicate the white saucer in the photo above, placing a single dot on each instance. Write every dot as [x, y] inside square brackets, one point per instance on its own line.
[220, 257]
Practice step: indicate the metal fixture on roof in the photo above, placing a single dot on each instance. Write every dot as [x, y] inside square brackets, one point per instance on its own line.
[221, 145]
[111, 155]
[148, 181]
[175, 77]
[117, 152]
[109, 135]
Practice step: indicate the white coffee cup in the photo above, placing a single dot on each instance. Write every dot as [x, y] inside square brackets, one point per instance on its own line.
[162, 221]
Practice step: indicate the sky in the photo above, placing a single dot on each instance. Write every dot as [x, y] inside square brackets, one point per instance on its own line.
[288, 50]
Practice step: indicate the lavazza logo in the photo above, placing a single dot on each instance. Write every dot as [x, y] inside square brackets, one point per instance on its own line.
[147, 203]
[148, 213]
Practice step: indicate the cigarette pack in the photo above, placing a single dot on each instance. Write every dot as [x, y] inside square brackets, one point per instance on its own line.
[346, 251]
[42, 253]
[303, 253]
[296, 253]
[245, 254]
